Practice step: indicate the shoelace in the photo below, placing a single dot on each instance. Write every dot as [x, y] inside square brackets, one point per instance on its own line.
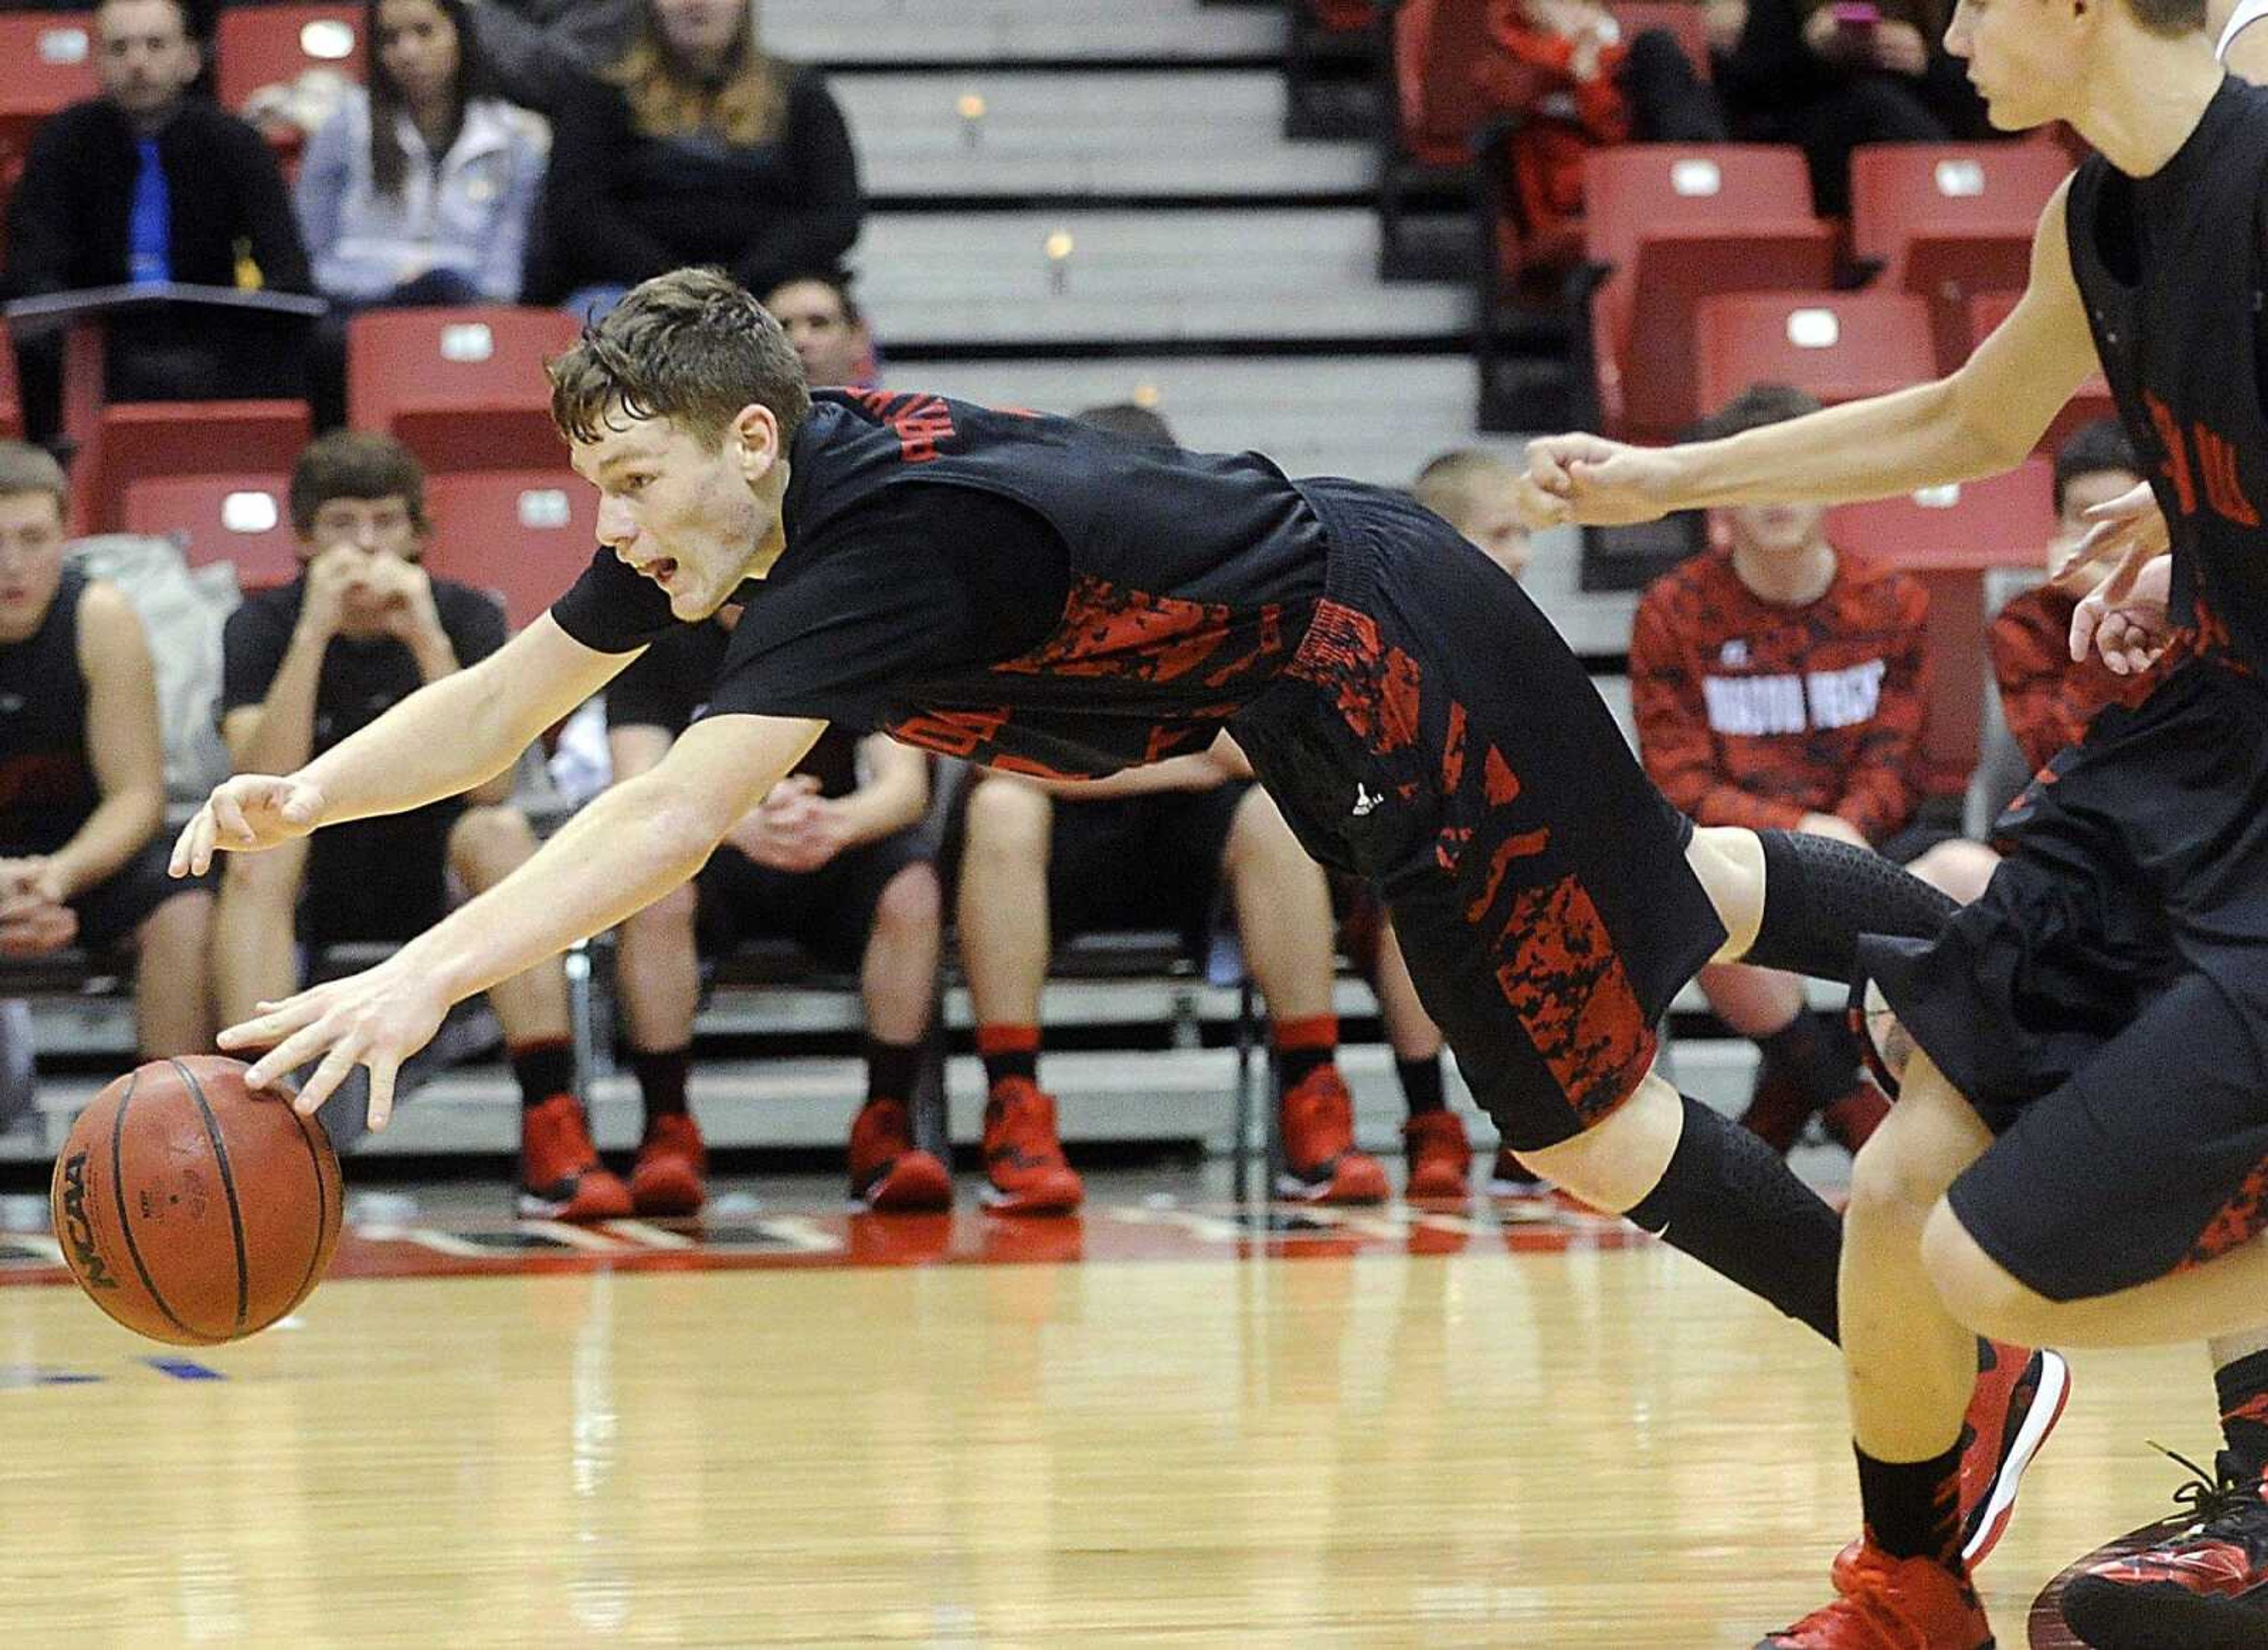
[2210, 1498]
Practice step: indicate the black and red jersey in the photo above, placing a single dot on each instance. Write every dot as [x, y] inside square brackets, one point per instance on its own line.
[1750, 713]
[48, 783]
[2046, 699]
[1022, 590]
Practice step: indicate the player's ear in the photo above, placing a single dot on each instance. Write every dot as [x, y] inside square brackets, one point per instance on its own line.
[758, 434]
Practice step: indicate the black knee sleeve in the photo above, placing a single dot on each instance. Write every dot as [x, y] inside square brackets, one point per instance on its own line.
[1820, 894]
[1734, 1205]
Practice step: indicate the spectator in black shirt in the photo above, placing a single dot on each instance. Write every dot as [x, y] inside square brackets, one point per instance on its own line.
[149, 183]
[696, 147]
[306, 664]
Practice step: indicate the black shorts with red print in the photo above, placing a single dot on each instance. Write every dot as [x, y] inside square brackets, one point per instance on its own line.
[2105, 1004]
[1434, 736]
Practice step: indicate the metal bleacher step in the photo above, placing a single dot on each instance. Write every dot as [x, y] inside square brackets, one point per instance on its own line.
[840, 33]
[1003, 132]
[1112, 279]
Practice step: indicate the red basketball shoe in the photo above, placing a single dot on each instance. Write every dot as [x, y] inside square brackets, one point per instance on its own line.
[560, 1176]
[1320, 1162]
[1886, 1603]
[1776, 1109]
[670, 1175]
[1851, 1122]
[2203, 1585]
[887, 1171]
[1440, 1158]
[2017, 1399]
[1024, 1165]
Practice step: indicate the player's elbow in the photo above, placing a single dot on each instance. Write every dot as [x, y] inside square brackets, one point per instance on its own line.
[1988, 430]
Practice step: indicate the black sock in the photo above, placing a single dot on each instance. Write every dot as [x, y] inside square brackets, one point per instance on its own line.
[661, 1081]
[543, 1069]
[2244, 1389]
[1421, 1084]
[1818, 1054]
[892, 1068]
[1728, 1200]
[1820, 894]
[1913, 1508]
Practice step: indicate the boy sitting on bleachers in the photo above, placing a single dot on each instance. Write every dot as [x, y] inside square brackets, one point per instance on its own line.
[304, 666]
[82, 773]
[1780, 684]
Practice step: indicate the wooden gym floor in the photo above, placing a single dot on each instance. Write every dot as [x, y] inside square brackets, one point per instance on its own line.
[1160, 1424]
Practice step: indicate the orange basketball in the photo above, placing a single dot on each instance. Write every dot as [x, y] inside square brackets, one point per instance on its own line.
[192, 1208]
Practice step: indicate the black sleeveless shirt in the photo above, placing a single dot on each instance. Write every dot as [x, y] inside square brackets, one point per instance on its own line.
[2169, 268]
[47, 787]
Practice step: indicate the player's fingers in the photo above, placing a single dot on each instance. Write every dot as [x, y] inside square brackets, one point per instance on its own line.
[300, 807]
[2086, 619]
[331, 1072]
[274, 1022]
[182, 861]
[228, 816]
[383, 1068]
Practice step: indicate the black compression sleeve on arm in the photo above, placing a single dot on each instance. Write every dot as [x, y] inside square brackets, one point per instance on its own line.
[1820, 894]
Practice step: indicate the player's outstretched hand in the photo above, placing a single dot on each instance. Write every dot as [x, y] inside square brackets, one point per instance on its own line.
[2123, 618]
[378, 1018]
[1593, 482]
[244, 815]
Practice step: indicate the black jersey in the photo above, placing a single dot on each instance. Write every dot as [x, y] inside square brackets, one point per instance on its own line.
[1019, 590]
[2170, 270]
[47, 787]
[667, 686]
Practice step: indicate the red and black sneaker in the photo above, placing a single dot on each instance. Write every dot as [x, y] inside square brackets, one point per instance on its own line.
[1886, 1603]
[2201, 1584]
[1024, 1166]
[1320, 1162]
[2017, 1401]
[1851, 1122]
[887, 1170]
[560, 1176]
[670, 1177]
[1440, 1158]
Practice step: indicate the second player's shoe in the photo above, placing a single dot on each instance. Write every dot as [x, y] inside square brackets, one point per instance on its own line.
[888, 1172]
[2203, 1585]
[560, 1176]
[1886, 1603]
[1024, 1168]
[1440, 1158]
[1321, 1164]
[670, 1176]
[2017, 1401]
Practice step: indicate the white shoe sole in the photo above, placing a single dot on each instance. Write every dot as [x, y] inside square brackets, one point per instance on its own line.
[2039, 1421]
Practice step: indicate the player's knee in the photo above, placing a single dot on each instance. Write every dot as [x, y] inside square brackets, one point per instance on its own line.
[668, 917]
[912, 904]
[1977, 1289]
[1959, 868]
[178, 926]
[492, 839]
[271, 879]
[1008, 820]
[1891, 1186]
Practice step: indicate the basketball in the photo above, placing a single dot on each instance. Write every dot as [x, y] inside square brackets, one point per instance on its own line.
[192, 1209]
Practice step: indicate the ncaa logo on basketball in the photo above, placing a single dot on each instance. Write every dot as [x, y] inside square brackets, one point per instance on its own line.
[93, 1271]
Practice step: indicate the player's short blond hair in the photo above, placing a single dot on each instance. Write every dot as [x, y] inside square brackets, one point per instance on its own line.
[692, 346]
[1453, 485]
[24, 468]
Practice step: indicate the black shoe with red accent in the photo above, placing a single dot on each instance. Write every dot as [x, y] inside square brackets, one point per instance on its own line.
[2202, 1585]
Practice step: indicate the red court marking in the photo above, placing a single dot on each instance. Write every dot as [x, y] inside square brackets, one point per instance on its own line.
[821, 1236]
[2046, 1623]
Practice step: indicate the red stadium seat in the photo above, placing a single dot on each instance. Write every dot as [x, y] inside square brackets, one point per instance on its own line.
[1666, 225]
[47, 61]
[1840, 346]
[465, 390]
[256, 46]
[1986, 311]
[1434, 108]
[1946, 221]
[1950, 536]
[214, 474]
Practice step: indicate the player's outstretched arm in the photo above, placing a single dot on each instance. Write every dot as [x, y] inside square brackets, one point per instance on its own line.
[442, 741]
[1984, 418]
[634, 842]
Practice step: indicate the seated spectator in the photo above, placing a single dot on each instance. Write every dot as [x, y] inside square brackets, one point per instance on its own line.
[540, 50]
[696, 147]
[306, 664]
[1830, 75]
[829, 334]
[2048, 700]
[832, 859]
[1781, 684]
[1148, 846]
[1563, 69]
[419, 190]
[148, 184]
[1476, 492]
[83, 774]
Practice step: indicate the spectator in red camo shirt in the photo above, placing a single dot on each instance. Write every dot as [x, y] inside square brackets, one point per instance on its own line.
[2048, 700]
[1780, 683]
